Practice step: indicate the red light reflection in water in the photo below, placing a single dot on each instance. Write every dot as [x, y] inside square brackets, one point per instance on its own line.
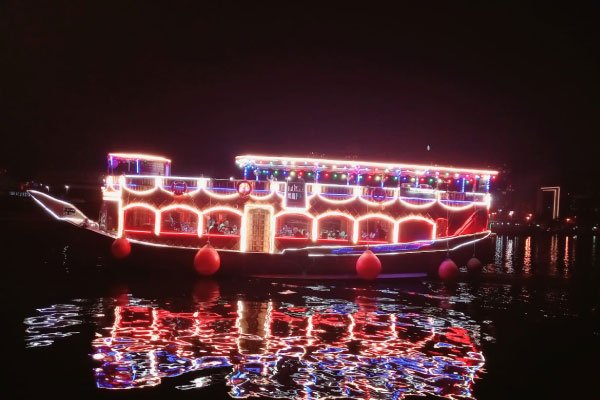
[279, 350]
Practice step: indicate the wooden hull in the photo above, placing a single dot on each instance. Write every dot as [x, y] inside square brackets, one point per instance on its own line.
[150, 259]
[403, 260]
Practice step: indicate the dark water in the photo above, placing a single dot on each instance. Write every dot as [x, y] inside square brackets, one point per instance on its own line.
[530, 328]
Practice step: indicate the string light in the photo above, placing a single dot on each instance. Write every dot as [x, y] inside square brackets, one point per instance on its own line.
[335, 164]
[117, 189]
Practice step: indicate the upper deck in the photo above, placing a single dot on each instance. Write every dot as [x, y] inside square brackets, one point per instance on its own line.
[335, 181]
[287, 203]
[135, 163]
[366, 173]
[229, 189]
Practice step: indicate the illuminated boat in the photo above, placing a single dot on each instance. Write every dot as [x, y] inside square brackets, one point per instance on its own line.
[292, 216]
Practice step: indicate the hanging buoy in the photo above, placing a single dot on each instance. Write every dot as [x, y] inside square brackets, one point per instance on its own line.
[120, 248]
[474, 266]
[207, 261]
[448, 270]
[368, 265]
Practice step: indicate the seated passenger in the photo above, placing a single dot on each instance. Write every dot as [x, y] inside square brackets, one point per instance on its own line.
[214, 229]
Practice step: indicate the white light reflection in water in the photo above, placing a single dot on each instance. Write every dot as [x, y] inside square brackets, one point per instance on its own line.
[54, 322]
[508, 256]
[553, 255]
[566, 257]
[517, 256]
[527, 256]
[499, 251]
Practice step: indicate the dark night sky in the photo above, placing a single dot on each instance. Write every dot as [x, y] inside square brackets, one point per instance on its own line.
[484, 86]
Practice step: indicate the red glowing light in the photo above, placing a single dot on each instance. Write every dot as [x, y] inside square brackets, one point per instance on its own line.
[221, 333]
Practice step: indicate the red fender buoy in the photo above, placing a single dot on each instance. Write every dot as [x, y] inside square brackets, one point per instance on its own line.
[448, 270]
[207, 261]
[120, 248]
[474, 266]
[368, 265]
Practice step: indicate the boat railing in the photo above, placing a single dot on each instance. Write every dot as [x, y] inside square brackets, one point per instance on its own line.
[180, 185]
[280, 188]
[337, 192]
[139, 183]
[111, 184]
[462, 197]
[452, 196]
[476, 196]
[230, 186]
[417, 193]
[334, 192]
[260, 188]
[377, 193]
[222, 186]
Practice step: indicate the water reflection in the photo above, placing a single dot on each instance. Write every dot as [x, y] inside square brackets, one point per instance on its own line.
[292, 342]
[259, 339]
[594, 249]
[527, 256]
[320, 348]
[499, 250]
[524, 255]
[54, 322]
[553, 254]
[508, 255]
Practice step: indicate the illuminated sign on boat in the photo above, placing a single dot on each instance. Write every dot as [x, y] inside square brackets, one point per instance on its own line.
[296, 195]
[68, 211]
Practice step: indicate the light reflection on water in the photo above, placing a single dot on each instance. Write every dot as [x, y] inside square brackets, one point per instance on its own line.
[314, 341]
[52, 323]
[526, 255]
[322, 348]
[305, 344]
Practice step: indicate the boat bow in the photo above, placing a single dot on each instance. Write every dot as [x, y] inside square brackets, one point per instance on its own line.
[61, 209]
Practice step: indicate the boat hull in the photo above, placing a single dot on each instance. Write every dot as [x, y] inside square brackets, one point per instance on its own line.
[400, 260]
[147, 258]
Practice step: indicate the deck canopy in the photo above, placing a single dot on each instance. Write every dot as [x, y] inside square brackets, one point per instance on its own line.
[364, 172]
[138, 164]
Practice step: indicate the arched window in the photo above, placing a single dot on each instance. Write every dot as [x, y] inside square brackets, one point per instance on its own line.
[336, 227]
[412, 229]
[375, 229]
[139, 219]
[293, 226]
[222, 222]
[179, 221]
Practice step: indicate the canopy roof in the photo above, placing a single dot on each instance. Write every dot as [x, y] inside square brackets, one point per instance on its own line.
[138, 156]
[322, 164]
